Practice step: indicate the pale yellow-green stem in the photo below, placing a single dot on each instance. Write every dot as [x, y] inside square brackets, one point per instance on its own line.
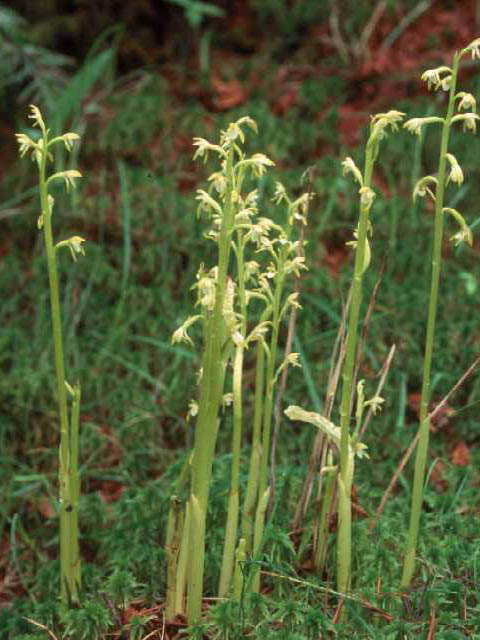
[344, 549]
[182, 566]
[211, 389]
[251, 492]
[74, 448]
[69, 560]
[231, 528]
[323, 522]
[238, 577]
[175, 527]
[262, 506]
[422, 447]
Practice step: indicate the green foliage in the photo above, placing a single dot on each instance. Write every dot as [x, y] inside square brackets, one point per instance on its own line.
[31, 71]
[121, 586]
[138, 109]
[136, 383]
[196, 11]
[88, 623]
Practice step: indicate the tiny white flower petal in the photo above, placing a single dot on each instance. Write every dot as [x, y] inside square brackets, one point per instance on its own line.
[25, 143]
[36, 116]
[367, 196]
[456, 173]
[433, 77]
[467, 102]
[473, 48]
[421, 188]
[349, 166]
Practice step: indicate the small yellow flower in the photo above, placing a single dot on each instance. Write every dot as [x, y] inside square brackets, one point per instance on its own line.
[467, 102]
[349, 166]
[456, 173]
[25, 143]
[36, 116]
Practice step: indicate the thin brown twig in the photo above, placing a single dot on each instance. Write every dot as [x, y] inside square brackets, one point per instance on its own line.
[337, 39]
[413, 444]
[41, 626]
[433, 624]
[369, 28]
[403, 25]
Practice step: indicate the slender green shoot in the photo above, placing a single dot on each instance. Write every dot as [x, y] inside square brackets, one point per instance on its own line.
[449, 170]
[214, 300]
[378, 131]
[40, 151]
[323, 521]
[286, 261]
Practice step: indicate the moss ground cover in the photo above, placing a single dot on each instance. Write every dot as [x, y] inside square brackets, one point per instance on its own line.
[120, 306]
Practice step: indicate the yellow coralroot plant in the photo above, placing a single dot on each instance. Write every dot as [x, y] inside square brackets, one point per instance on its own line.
[41, 152]
[461, 109]
[230, 295]
[342, 436]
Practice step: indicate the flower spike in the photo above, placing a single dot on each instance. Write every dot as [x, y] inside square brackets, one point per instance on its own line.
[36, 116]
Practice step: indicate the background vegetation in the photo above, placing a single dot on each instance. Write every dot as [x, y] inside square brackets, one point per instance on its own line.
[138, 81]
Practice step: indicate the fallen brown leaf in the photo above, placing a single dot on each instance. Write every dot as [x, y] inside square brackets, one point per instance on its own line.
[228, 94]
[437, 477]
[461, 455]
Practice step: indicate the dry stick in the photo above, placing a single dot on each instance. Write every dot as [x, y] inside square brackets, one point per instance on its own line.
[383, 377]
[336, 364]
[377, 13]
[337, 39]
[396, 33]
[41, 626]
[288, 349]
[433, 623]
[414, 442]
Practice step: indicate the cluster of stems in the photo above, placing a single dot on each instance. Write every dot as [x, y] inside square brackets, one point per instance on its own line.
[229, 295]
[69, 483]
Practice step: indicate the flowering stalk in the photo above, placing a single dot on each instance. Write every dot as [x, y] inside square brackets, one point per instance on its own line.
[68, 452]
[285, 262]
[247, 230]
[216, 301]
[378, 128]
[211, 389]
[251, 492]
[238, 330]
[446, 79]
